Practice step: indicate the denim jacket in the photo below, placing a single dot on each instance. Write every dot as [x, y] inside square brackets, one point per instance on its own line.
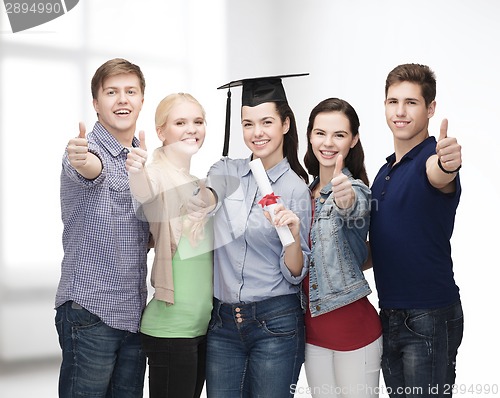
[338, 249]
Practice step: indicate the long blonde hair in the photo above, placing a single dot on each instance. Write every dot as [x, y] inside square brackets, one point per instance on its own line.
[180, 180]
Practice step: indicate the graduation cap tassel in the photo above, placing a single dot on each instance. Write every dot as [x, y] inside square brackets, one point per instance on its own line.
[225, 150]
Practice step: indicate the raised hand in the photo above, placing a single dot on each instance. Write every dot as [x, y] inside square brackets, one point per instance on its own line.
[448, 150]
[343, 193]
[137, 157]
[78, 148]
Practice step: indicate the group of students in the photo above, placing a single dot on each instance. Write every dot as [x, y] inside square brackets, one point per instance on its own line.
[234, 307]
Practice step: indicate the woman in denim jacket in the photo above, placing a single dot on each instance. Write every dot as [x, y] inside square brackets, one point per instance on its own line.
[343, 331]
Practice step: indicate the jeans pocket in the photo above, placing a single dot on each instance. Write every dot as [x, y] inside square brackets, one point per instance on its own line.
[80, 317]
[215, 321]
[421, 324]
[281, 325]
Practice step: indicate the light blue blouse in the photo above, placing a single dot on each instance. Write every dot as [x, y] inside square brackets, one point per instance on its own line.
[249, 257]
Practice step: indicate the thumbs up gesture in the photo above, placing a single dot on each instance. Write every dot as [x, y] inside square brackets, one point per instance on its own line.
[78, 148]
[343, 193]
[448, 150]
[137, 157]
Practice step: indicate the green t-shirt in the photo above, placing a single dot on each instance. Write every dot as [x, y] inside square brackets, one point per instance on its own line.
[193, 291]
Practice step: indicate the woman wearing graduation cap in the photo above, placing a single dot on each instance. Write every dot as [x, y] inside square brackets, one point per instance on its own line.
[255, 342]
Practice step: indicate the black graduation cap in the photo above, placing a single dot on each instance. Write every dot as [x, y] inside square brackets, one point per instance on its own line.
[256, 91]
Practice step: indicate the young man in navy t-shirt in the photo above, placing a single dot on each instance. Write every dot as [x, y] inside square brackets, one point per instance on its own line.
[415, 196]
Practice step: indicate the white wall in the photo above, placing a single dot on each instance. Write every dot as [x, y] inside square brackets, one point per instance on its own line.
[348, 47]
[45, 75]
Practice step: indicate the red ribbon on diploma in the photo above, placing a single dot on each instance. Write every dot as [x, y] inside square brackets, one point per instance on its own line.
[269, 199]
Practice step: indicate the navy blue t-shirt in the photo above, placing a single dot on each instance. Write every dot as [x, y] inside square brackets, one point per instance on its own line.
[410, 230]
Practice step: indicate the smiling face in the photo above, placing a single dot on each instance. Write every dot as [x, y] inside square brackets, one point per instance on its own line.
[331, 135]
[118, 103]
[184, 130]
[407, 114]
[263, 132]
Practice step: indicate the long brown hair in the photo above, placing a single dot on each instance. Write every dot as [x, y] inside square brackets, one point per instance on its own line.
[355, 159]
[291, 140]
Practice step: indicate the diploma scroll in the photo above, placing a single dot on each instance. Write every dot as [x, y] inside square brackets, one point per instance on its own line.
[269, 199]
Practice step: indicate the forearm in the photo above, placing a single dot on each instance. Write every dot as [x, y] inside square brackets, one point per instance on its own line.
[92, 167]
[294, 258]
[438, 178]
[211, 200]
[140, 186]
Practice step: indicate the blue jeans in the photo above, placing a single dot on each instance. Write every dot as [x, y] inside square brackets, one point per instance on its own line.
[176, 366]
[420, 349]
[97, 360]
[255, 349]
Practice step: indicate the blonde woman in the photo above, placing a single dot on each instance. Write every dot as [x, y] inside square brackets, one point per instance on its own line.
[175, 321]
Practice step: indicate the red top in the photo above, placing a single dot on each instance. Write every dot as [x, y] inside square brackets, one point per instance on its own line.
[344, 329]
[347, 328]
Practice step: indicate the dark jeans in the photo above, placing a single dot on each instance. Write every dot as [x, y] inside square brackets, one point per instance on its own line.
[176, 366]
[97, 360]
[255, 349]
[420, 349]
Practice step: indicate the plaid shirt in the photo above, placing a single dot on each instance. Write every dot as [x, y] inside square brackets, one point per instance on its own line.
[105, 245]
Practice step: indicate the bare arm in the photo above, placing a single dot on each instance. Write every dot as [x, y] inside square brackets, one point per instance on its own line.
[294, 258]
[449, 154]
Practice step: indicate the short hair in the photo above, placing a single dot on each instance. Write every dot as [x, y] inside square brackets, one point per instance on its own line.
[113, 67]
[414, 73]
